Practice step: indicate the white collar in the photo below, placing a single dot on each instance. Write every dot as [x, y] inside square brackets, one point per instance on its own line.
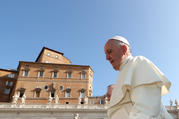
[124, 62]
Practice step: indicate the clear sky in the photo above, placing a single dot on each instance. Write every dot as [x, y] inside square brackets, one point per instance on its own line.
[80, 28]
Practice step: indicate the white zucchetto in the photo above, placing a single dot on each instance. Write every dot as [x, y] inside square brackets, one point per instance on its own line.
[120, 38]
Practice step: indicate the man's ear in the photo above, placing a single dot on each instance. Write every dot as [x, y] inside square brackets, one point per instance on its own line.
[124, 47]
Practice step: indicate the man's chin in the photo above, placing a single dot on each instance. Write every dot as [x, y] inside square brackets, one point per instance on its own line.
[116, 69]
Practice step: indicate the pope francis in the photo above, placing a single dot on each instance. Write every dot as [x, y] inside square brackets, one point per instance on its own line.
[139, 87]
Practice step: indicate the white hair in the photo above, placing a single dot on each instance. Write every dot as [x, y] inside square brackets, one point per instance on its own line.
[120, 43]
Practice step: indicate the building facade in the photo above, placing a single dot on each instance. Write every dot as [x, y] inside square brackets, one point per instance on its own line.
[50, 79]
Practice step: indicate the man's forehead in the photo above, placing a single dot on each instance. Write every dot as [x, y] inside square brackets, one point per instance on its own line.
[108, 43]
[107, 47]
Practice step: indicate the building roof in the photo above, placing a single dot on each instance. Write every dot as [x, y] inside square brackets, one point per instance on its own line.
[47, 49]
[20, 62]
[9, 70]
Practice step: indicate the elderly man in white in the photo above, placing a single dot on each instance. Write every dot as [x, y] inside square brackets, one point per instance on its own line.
[140, 84]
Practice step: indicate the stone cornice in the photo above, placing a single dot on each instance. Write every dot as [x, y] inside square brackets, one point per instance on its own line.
[52, 107]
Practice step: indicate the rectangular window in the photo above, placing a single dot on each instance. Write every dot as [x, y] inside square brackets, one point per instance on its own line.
[101, 101]
[9, 83]
[40, 73]
[54, 75]
[52, 93]
[25, 73]
[67, 94]
[69, 74]
[83, 75]
[11, 75]
[91, 101]
[37, 91]
[82, 94]
[37, 94]
[7, 90]
[21, 93]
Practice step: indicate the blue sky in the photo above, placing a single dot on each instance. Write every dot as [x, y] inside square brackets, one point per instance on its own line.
[80, 28]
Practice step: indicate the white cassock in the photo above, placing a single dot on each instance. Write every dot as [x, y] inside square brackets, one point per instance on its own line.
[137, 92]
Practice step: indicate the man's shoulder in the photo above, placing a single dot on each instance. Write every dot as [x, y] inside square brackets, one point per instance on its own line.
[141, 59]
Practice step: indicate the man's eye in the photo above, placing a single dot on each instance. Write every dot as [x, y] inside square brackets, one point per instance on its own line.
[109, 51]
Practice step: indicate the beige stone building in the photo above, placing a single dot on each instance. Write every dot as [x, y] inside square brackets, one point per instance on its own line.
[50, 79]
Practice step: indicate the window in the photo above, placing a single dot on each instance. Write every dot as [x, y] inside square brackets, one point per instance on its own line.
[52, 93]
[40, 73]
[61, 88]
[101, 101]
[25, 73]
[46, 87]
[54, 75]
[48, 54]
[82, 94]
[11, 75]
[46, 61]
[91, 101]
[9, 83]
[21, 92]
[69, 74]
[38, 90]
[37, 94]
[67, 93]
[7, 90]
[67, 102]
[56, 56]
[83, 75]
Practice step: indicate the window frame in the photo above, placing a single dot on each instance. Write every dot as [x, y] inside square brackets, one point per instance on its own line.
[11, 75]
[83, 75]
[69, 75]
[40, 75]
[7, 91]
[102, 100]
[82, 94]
[25, 73]
[53, 74]
[9, 83]
[91, 101]
[68, 93]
